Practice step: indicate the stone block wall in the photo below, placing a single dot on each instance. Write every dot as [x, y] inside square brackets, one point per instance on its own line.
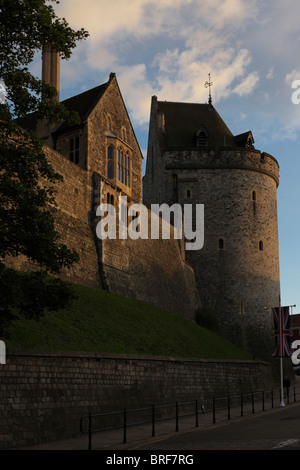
[43, 395]
[72, 221]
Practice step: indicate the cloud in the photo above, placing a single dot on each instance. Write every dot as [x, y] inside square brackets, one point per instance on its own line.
[270, 73]
[168, 47]
[138, 90]
[247, 85]
[290, 77]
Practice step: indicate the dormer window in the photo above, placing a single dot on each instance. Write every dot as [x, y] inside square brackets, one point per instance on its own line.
[201, 138]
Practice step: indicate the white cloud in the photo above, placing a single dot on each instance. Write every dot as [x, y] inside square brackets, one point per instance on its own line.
[270, 73]
[247, 85]
[290, 77]
[134, 86]
[168, 47]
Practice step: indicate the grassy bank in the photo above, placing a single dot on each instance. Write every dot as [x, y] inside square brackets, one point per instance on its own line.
[100, 321]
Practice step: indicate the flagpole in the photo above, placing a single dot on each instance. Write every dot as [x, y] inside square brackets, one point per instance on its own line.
[281, 352]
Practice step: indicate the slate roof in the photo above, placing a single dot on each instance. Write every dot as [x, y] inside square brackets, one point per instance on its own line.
[82, 103]
[183, 121]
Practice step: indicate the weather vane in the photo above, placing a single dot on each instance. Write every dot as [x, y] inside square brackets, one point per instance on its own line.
[209, 84]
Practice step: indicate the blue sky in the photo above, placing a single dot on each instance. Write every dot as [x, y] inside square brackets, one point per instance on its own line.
[167, 48]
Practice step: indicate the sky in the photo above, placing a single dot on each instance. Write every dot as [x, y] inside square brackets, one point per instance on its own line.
[167, 48]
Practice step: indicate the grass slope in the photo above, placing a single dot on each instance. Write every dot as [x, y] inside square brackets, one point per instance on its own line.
[100, 321]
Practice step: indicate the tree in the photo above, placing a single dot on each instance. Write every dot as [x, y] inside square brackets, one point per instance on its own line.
[26, 205]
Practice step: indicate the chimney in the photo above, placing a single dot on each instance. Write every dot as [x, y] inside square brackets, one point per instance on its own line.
[51, 68]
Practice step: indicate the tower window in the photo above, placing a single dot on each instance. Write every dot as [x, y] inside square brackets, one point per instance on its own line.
[221, 244]
[261, 245]
[74, 150]
[254, 196]
[188, 193]
[242, 306]
[110, 162]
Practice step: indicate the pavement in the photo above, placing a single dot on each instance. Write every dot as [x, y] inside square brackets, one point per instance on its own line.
[139, 436]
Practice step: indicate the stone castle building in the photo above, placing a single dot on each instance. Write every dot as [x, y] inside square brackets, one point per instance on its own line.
[100, 161]
[193, 158]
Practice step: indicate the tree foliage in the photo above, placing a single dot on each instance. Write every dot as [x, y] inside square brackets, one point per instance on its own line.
[27, 180]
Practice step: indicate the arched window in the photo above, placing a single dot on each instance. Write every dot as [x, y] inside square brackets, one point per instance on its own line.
[110, 162]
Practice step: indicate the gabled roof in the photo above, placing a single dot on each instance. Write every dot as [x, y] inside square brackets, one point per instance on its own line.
[83, 104]
[182, 122]
[244, 140]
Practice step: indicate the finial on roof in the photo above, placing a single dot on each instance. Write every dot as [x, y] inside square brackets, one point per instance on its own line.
[209, 84]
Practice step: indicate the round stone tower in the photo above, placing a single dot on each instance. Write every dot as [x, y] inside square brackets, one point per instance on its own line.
[193, 158]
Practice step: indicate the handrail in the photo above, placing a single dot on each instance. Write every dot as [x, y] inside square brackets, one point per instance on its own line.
[208, 405]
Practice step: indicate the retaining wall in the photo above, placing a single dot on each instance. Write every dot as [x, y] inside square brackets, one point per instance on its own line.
[44, 394]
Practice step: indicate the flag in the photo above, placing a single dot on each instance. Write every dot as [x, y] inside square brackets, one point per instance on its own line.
[281, 319]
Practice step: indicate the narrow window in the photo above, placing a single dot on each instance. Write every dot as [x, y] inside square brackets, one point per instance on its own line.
[261, 245]
[188, 193]
[253, 196]
[110, 163]
[242, 306]
[74, 150]
[77, 150]
[221, 244]
[109, 123]
[123, 168]
[110, 202]
[175, 187]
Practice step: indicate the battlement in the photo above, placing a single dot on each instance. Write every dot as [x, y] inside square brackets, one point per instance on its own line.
[223, 158]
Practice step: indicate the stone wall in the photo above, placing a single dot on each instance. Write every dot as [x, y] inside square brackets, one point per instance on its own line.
[238, 187]
[151, 270]
[43, 395]
[72, 221]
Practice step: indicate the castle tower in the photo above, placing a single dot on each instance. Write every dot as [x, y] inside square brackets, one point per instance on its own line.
[193, 158]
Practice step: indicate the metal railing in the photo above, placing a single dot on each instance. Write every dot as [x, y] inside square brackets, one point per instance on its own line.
[218, 407]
